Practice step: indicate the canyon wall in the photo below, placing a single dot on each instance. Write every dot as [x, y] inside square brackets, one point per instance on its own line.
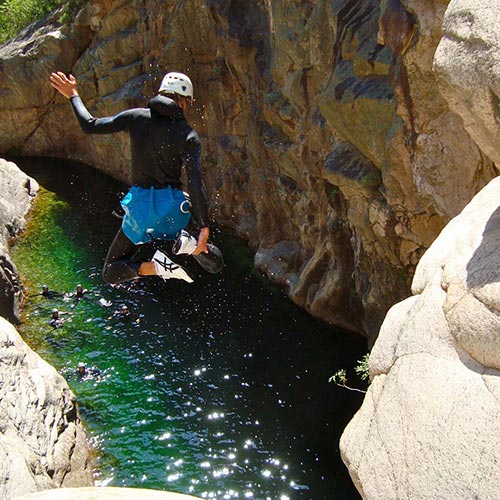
[42, 440]
[326, 142]
[428, 427]
[17, 191]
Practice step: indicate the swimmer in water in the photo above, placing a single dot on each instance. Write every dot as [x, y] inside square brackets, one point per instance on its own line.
[49, 294]
[87, 372]
[56, 321]
[79, 294]
[122, 315]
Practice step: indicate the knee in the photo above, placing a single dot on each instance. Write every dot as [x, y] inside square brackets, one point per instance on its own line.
[107, 276]
[118, 272]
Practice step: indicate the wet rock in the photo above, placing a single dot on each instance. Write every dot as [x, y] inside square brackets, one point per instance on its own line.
[42, 441]
[17, 191]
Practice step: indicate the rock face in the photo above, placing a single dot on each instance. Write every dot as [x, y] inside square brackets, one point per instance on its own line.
[429, 426]
[326, 142]
[42, 442]
[16, 193]
[106, 494]
[467, 64]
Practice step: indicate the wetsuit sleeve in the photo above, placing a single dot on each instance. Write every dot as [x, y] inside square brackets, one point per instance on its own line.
[196, 191]
[91, 125]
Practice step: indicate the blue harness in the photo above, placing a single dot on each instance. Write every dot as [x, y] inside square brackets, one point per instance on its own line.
[161, 213]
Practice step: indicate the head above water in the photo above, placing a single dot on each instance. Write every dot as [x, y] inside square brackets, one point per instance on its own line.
[176, 84]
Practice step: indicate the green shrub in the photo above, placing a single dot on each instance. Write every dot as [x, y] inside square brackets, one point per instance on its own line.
[362, 368]
[17, 14]
[340, 376]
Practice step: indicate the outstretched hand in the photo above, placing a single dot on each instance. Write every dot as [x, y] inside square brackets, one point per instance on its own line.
[65, 85]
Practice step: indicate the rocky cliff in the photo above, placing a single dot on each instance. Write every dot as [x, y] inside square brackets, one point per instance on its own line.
[16, 193]
[42, 441]
[326, 142]
[428, 427]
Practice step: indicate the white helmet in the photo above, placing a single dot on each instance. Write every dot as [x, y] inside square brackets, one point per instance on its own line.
[177, 83]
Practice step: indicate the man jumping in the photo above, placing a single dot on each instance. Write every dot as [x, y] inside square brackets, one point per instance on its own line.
[156, 208]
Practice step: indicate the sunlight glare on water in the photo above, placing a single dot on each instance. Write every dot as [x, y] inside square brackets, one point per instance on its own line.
[218, 389]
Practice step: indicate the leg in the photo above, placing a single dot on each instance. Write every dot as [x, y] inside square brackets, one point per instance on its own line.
[121, 263]
[119, 266]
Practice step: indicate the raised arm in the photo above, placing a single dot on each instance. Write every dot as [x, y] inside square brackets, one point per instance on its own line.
[66, 85]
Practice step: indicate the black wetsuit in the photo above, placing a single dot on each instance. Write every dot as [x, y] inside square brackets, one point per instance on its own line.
[161, 142]
[56, 322]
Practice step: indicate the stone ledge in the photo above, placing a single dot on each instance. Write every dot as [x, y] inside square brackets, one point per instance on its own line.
[105, 494]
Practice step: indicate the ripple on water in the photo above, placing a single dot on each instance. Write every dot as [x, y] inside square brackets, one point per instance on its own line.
[218, 389]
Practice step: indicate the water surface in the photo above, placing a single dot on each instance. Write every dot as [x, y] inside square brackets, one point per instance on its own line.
[218, 388]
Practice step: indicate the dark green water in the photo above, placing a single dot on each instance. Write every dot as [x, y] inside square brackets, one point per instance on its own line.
[220, 389]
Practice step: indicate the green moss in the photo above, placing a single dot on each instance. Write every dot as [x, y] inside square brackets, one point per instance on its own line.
[44, 248]
[371, 180]
[71, 8]
[15, 15]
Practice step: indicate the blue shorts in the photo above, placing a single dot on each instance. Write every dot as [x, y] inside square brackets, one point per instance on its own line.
[161, 213]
